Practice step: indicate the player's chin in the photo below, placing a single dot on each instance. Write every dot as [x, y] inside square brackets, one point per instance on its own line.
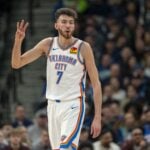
[68, 36]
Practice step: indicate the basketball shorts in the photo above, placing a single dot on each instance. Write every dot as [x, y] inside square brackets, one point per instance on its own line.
[65, 119]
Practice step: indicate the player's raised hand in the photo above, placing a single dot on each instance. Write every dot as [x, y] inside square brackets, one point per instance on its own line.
[21, 29]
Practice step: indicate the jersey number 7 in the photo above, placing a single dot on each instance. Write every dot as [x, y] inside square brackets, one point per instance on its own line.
[59, 74]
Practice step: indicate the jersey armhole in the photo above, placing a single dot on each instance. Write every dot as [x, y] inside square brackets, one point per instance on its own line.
[80, 58]
[50, 46]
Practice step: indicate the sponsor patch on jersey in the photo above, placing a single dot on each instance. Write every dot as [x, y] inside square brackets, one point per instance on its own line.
[73, 50]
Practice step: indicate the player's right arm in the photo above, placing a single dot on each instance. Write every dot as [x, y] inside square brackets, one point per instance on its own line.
[19, 60]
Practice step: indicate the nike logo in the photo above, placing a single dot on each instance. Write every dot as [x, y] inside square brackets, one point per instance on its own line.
[73, 107]
[54, 49]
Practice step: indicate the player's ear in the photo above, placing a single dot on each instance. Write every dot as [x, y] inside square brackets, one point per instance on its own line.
[56, 26]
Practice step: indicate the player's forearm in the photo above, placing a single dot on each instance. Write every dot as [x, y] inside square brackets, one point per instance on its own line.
[97, 100]
[16, 54]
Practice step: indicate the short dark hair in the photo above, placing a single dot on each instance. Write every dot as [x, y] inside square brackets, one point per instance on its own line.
[66, 11]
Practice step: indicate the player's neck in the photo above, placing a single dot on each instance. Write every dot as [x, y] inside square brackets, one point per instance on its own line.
[63, 42]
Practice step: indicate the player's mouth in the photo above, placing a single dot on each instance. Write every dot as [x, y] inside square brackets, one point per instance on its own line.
[67, 31]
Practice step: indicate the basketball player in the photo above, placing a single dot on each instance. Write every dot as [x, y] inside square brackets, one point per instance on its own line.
[68, 59]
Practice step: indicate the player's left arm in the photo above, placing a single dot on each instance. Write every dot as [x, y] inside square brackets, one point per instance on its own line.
[87, 54]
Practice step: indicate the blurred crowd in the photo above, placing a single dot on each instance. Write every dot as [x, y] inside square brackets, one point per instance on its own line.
[119, 132]
[119, 33]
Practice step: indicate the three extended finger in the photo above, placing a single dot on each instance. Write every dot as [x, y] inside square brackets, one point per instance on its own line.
[22, 26]
[17, 25]
[25, 26]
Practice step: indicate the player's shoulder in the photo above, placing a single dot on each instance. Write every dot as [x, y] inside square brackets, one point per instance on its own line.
[46, 43]
[85, 45]
[85, 50]
[47, 40]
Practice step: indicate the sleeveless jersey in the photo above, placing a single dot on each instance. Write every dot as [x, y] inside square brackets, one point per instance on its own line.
[65, 72]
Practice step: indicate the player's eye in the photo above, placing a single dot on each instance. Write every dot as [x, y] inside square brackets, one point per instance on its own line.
[64, 21]
[71, 22]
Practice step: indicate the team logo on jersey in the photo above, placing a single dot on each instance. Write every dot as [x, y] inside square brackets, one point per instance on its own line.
[73, 50]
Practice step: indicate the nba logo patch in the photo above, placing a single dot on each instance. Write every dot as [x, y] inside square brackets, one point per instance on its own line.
[73, 50]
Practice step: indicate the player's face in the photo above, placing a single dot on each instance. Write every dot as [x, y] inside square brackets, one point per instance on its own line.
[65, 26]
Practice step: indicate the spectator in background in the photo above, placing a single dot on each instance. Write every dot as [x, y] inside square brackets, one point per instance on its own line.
[117, 121]
[147, 39]
[121, 41]
[134, 108]
[147, 66]
[118, 92]
[138, 81]
[114, 31]
[24, 136]
[104, 67]
[132, 62]
[132, 8]
[84, 136]
[145, 118]
[129, 29]
[2, 141]
[115, 71]
[139, 31]
[137, 141]
[106, 141]
[20, 117]
[125, 55]
[130, 122]
[15, 141]
[43, 143]
[115, 109]
[6, 129]
[147, 14]
[40, 124]
[131, 94]
[109, 48]
[139, 49]
[132, 103]
[86, 146]
[106, 114]
[112, 119]
[107, 92]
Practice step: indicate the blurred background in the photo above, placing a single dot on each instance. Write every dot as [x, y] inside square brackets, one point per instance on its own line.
[119, 33]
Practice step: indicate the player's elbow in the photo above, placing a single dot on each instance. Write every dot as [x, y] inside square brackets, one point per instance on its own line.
[15, 66]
